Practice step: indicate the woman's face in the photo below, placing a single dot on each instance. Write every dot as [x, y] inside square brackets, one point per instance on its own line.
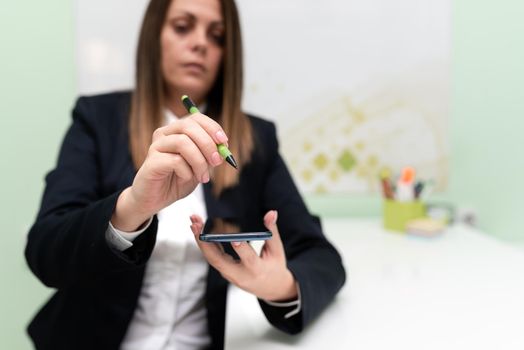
[191, 45]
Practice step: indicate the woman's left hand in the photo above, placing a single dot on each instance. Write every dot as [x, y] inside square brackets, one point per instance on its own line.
[265, 276]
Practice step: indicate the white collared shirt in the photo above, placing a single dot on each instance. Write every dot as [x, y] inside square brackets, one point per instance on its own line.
[171, 312]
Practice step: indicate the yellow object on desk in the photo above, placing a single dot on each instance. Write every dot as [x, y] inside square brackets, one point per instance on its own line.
[396, 214]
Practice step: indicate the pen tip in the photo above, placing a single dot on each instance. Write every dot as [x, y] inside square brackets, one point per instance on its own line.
[232, 161]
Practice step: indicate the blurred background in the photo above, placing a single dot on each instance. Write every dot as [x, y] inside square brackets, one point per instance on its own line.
[432, 84]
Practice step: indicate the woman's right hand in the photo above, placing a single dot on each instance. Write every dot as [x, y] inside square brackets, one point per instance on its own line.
[180, 157]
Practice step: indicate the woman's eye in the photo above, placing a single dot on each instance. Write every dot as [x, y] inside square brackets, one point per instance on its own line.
[181, 28]
[217, 38]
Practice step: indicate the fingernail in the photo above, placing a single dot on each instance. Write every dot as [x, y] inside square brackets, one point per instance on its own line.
[236, 244]
[205, 178]
[276, 217]
[221, 137]
[215, 158]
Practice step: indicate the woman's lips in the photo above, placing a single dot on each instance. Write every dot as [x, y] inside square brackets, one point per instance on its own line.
[195, 67]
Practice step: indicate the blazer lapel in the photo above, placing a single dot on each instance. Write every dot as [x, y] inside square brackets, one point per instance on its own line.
[218, 208]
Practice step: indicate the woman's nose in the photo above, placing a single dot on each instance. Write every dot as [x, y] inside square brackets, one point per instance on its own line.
[199, 40]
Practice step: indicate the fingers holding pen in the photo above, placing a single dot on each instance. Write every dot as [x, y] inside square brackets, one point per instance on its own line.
[180, 156]
[219, 136]
[211, 127]
[182, 146]
[203, 132]
[191, 141]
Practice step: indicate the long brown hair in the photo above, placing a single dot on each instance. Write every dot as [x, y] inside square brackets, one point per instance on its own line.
[223, 101]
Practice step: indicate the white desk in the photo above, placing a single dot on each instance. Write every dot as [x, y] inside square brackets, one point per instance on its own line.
[461, 290]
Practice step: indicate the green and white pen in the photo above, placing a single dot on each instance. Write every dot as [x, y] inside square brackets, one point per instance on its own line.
[222, 149]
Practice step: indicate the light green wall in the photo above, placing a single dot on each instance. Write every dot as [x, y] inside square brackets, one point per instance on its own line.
[487, 125]
[37, 92]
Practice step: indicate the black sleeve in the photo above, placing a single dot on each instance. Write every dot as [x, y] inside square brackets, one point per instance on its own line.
[311, 258]
[67, 244]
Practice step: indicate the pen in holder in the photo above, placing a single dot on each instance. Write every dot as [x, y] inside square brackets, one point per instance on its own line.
[402, 203]
[397, 214]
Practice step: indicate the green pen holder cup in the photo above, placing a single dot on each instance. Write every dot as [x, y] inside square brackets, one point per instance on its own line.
[396, 214]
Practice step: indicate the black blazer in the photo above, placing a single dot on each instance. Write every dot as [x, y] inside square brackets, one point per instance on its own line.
[98, 287]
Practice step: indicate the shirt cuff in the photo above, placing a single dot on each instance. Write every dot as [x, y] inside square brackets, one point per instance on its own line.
[121, 240]
[297, 303]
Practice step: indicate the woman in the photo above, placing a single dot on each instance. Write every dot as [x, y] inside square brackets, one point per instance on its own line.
[117, 232]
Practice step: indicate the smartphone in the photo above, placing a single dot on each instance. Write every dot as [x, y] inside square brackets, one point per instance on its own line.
[214, 231]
